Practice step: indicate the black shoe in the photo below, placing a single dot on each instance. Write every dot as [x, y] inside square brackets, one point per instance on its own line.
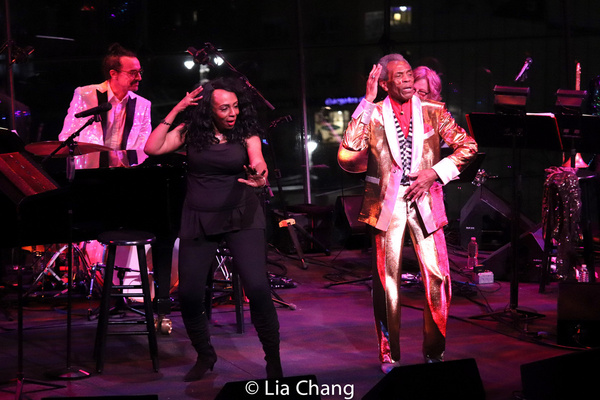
[273, 369]
[199, 370]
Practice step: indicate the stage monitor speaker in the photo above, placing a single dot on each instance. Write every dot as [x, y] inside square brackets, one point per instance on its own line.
[486, 217]
[347, 211]
[578, 314]
[570, 376]
[119, 397]
[530, 252]
[457, 379]
[352, 231]
[288, 388]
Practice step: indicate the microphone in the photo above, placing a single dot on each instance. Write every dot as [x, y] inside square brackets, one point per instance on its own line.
[522, 75]
[200, 56]
[21, 55]
[94, 110]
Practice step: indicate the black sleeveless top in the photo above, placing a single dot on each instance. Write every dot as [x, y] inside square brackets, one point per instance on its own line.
[215, 201]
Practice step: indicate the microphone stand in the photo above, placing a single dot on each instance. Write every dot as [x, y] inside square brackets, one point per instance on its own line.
[288, 222]
[70, 372]
[266, 194]
[285, 223]
[70, 142]
[208, 47]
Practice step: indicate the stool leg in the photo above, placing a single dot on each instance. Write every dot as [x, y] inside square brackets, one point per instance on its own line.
[141, 253]
[208, 294]
[102, 328]
[238, 297]
[545, 270]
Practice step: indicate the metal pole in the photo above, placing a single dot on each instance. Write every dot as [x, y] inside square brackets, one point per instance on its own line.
[567, 37]
[9, 60]
[305, 136]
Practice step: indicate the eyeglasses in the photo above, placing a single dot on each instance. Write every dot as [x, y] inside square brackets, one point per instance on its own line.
[422, 93]
[134, 72]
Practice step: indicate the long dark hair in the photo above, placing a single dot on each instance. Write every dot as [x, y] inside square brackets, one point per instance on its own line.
[200, 131]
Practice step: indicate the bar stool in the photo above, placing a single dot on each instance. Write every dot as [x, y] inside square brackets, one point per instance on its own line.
[113, 239]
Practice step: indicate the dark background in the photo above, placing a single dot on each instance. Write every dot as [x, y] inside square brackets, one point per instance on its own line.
[299, 54]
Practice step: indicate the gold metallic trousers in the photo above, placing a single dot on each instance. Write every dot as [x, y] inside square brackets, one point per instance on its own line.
[432, 255]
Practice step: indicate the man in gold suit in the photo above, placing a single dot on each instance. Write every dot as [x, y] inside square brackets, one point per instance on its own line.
[403, 189]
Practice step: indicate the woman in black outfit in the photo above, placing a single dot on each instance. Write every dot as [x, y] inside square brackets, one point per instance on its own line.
[225, 165]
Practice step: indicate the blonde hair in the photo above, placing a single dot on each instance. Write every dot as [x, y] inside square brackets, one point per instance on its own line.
[433, 80]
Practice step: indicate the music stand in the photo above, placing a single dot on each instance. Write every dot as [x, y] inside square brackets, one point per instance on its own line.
[21, 179]
[10, 142]
[577, 129]
[569, 113]
[511, 127]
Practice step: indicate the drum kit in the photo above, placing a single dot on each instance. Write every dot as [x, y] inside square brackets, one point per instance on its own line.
[48, 264]
[49, 268]
[87, 155]
[48, 147]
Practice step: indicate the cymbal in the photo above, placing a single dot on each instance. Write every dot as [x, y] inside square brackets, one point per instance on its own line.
[46, 148]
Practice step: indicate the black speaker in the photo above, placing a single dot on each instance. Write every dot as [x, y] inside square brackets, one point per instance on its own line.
[578, 314]
[570, 376]
[289, 388]
[347, 211]
[530, 252]
[486, 217]
[457, 379]
[352, 231]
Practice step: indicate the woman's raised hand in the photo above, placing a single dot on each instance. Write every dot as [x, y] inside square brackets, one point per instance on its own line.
[190, 99]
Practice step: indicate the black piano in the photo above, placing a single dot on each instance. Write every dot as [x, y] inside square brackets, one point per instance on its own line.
[143, 197]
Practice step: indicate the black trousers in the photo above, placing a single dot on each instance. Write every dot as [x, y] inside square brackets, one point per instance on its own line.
[196, 257]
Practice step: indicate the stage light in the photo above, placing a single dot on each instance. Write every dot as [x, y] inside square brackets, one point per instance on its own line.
[218, 61]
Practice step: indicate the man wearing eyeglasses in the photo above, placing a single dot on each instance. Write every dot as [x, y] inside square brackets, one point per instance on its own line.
[127, 124]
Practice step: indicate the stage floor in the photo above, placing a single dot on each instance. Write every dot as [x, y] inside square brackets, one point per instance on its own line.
[329, 333]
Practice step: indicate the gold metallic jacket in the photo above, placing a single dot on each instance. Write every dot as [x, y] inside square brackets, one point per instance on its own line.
[372, 129]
